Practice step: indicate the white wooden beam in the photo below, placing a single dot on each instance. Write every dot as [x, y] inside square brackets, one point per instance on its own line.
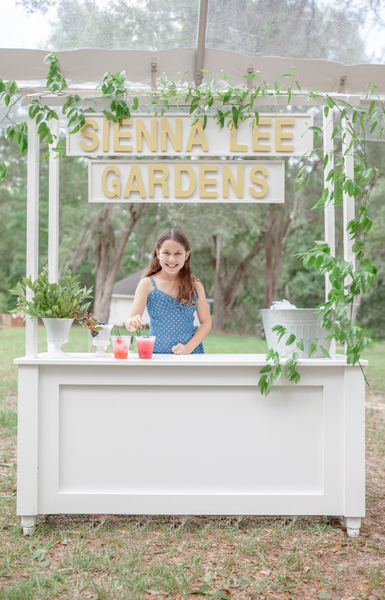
[92, 98]
[32, 262]
[53, 210]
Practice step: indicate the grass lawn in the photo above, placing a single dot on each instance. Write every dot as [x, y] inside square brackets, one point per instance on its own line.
[184, 558]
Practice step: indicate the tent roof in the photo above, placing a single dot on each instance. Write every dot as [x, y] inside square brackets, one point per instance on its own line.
[90, 65]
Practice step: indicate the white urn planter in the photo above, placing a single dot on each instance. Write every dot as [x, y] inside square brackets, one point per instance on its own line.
[57, 334]
[103, 340]
[304, 323]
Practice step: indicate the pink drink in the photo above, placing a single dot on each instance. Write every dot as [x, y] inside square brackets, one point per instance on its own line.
[145, 346]
[121, 346]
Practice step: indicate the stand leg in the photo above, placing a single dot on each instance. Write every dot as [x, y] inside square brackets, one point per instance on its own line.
[28, 524]
[353, 525]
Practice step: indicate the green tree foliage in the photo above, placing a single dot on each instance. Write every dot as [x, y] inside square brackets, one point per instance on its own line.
[13, 201]
[372, 307]
[372, 310]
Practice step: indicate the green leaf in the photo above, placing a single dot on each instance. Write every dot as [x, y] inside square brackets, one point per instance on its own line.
[265, 369]
[39, 554]
[205, 587]
[309, 261]
[3, 171]
[44, 563]
[313, 349]
[325, 352]
[109, 115]
[300, 345]
[291, 339]
[335, 131]
[135, 103]
[235, 113]
[220, 594]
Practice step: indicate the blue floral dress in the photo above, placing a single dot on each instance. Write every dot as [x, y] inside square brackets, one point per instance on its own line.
[170, 321]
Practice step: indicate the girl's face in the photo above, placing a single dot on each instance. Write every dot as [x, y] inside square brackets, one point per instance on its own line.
[172, 256]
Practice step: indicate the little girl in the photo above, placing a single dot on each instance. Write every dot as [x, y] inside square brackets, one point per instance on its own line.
[172, 295]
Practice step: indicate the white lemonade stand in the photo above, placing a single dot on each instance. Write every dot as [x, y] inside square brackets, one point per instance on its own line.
[185, 434]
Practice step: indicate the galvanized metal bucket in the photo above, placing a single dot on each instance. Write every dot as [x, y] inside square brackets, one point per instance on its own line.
[305, 323]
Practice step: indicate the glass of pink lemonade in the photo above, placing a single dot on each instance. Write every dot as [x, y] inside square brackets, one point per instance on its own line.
[145, 345]
[121, 345]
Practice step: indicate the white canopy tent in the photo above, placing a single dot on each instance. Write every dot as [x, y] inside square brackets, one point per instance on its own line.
[142, 66]
[83, 68]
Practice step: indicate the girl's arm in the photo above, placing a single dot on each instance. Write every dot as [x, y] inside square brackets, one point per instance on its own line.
[135, 320]
[204, 317]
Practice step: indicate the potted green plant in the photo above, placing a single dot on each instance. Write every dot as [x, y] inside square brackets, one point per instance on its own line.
[58, 304]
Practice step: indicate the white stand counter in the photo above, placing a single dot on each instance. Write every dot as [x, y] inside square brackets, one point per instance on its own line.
[189, 435]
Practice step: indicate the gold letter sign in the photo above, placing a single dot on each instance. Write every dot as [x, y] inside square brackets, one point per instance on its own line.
[142, 142]
[195, 181]
[174, 135]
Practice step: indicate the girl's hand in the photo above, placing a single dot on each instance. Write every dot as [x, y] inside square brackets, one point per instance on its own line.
[180, 349]
[134, 323]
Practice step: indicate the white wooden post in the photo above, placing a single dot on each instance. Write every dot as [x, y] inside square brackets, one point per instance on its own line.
[329, 212]
[32, 229]
[53, 211]
[27, 446]
[348, 201]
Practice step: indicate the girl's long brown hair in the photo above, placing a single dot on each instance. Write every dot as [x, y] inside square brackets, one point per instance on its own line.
[187, 280]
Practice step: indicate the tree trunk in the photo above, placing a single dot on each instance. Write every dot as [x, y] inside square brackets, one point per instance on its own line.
[108, 256]
[225, 297]
[274, 249]
[219, 297]
[81, 248]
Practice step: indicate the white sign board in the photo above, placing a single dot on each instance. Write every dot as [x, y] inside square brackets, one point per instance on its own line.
[174, 135]
[198, 181]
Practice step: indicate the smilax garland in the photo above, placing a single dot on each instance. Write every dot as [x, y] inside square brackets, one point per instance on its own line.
[229, 105]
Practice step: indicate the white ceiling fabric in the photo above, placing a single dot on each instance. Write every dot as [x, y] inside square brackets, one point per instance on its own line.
[90, 65]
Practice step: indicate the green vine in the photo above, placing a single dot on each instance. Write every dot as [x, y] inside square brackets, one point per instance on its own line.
[230, 105]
